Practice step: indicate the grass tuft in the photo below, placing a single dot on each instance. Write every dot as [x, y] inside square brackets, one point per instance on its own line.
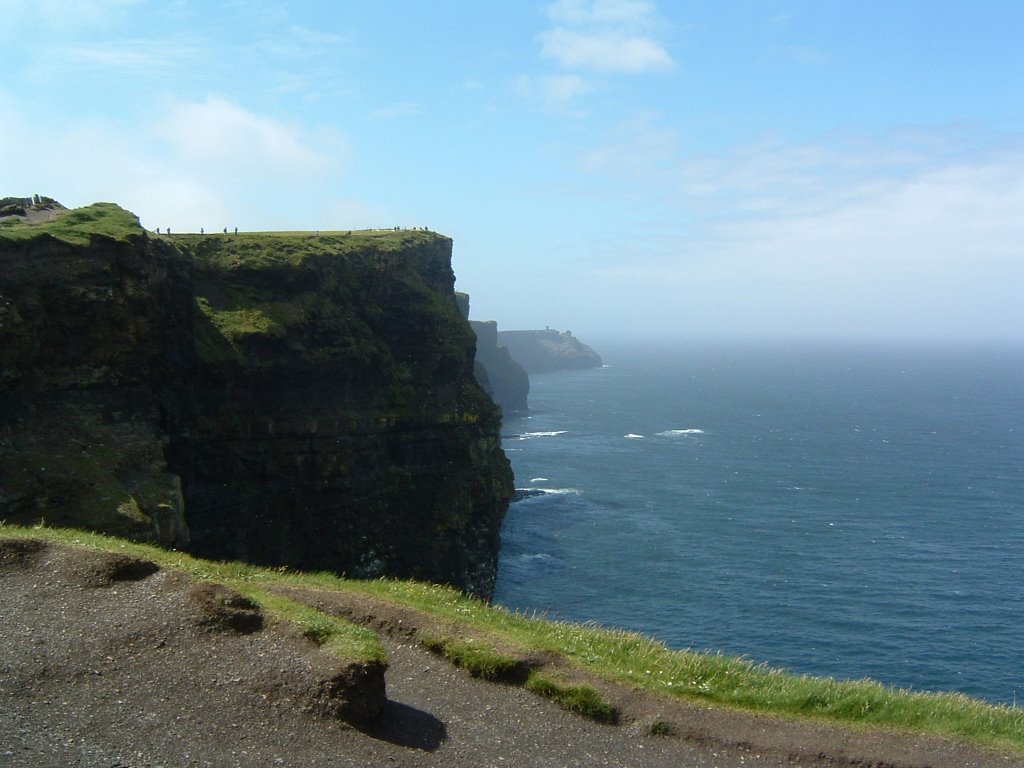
[661, 728]
[474, 656]
[582, 699]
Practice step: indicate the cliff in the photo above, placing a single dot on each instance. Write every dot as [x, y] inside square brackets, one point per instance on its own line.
[286, 399]
[548, 350]
[507, 381]
[495, 370]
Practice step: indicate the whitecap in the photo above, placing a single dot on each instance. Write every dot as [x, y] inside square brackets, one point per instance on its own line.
[538, 479]
[675, 432]
[632, 436]
[560, 491]
[528, 435]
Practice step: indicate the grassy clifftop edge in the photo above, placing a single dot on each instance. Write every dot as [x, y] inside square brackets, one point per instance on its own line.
[77, 225]
[484, 637]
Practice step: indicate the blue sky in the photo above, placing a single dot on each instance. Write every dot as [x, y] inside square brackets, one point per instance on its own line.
[715, 168]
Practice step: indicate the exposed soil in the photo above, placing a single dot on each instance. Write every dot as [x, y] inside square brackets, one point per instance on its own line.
[37, 214]
[109, 661]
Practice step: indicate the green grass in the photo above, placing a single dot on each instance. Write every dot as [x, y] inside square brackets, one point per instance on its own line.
[343, 639]
[78, 225]
[337, 636]
[642, 662]
[474, 656]
[268, 249]
[581, 699]
[622, 657]
[233, 324]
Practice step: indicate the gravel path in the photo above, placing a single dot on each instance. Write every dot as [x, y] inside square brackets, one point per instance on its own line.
[101, 672]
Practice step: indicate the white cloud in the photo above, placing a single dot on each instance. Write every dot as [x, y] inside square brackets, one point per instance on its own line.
[604, 51]
[557, 92]
[606, 36]
[642, 150]
[220, 135]
[125, 56]
[63, 14]
[204, 164]
[859, 236]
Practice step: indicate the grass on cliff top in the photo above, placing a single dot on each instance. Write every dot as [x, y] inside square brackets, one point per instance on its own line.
[255, 249]
[76, 226]
[631, 658]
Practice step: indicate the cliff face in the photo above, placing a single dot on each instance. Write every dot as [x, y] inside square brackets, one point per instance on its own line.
[506, 381]
[495, 370]
[295, 400]
[548, 350]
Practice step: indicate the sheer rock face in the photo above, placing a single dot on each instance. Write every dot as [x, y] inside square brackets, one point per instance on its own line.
[89, 338]
[282, 399]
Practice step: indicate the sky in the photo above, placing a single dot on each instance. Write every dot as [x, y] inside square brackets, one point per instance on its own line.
[707, 169]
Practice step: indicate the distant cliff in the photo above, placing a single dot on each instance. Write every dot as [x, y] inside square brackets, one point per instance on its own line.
[505, 380]
[286, 399]
[548, 350]
[500, 376]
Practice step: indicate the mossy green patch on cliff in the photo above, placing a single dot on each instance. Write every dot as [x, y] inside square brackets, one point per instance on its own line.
[74, 468]
[77, 226]
[233, 324]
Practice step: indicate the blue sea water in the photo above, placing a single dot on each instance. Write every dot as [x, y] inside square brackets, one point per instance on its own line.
[848, 511]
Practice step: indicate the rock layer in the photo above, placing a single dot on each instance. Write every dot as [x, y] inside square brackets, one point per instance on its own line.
[296, 400]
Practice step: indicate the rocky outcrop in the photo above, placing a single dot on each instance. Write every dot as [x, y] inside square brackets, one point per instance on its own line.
[290, 399]
[548, 350]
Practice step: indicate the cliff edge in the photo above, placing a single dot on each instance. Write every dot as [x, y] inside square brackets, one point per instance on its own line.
[282, 398]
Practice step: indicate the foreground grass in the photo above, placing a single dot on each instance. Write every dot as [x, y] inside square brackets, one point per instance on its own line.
[343, 639]
[626, 657]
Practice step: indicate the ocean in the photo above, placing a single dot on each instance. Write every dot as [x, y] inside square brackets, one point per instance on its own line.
[841, 510]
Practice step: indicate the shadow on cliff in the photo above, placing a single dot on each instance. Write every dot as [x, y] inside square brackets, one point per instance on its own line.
[407, 726]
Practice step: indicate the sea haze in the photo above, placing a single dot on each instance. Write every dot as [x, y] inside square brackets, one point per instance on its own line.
[849, 511]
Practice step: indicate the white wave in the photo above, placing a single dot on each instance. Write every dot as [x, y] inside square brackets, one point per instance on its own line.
[632, 436]
[528, 435]
[560, 491]
[674, 432]
[538, 479]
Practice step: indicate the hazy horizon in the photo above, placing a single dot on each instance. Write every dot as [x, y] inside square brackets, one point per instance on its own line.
[786, 169]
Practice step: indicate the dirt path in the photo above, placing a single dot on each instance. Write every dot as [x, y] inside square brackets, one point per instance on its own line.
[97, 671]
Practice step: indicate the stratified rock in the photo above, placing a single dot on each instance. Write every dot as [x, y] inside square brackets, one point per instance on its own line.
[298, 400]
[548, 350]
[93, 332]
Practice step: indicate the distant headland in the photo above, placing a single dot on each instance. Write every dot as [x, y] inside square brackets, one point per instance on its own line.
[548, 350]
